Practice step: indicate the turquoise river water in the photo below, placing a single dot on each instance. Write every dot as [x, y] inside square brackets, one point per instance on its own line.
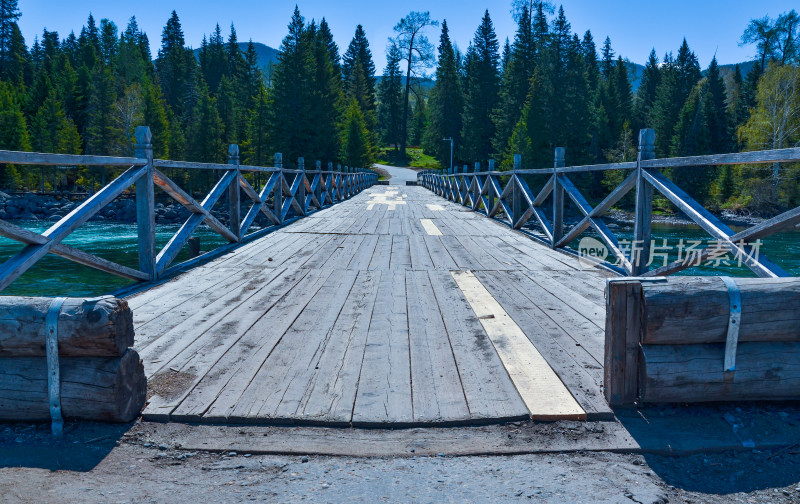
[117, 242]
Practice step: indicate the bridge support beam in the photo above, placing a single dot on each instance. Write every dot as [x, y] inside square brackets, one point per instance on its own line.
[558, 197]
[640, 248]
[145, 204]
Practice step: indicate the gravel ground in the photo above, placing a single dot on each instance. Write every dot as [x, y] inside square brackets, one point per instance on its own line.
[97, 463]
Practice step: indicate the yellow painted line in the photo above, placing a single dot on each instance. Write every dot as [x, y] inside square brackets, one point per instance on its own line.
[430, 227]
[540, 388]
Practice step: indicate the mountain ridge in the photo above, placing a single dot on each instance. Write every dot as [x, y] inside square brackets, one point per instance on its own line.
[268, 57]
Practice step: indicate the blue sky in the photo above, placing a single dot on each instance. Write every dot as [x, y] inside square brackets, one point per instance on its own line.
[634, 27]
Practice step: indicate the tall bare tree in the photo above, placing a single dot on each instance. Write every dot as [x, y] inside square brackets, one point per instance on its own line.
[418, 54]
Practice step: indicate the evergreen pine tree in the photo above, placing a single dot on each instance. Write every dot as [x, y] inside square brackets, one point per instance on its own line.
[737, 106]
[667, 107]
[205, 136]
[515, 85]
[53, 131]
[624, 92]
[101, 131]
[174, 66]
[390, 93]
[9, 14]
[13, 126]
[692, 138]
[156, 115]
[529, 138]
[358, 71]
[419, 122]
[646, 94]
[13, 132]
[607, 59]
[291, 101]
[481, 93]
[714, 108]
[327, 98]
[356, 147]
[445, 103]
[258, 142]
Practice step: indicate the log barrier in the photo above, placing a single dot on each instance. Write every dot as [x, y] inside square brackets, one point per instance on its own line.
[69, 358]
[702, 339]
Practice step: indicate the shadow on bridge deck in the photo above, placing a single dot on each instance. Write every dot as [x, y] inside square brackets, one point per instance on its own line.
[395, 308]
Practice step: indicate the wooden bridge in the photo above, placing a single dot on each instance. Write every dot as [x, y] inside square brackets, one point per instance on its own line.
[393, 306]
[385, 309]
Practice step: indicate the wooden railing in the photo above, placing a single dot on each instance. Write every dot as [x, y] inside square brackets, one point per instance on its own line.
[506, 196]
[298, 190]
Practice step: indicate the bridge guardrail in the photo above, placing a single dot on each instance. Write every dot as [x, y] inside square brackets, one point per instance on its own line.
[506, 196]
[299, 190]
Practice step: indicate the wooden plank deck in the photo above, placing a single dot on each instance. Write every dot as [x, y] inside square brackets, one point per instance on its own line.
[361, 315]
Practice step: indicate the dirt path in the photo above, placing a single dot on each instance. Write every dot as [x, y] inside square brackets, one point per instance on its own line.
[153, 462]
[399, 176]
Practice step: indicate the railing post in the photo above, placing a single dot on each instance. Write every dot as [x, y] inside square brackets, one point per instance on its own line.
[558, 197]
[277, 190]
[640, 248]
[476, 192]
[301, 189]
[339, 183]
[233, 193]
[318, 189]
[516, 196]
[488, 184]
[145, 204]
[330, 184]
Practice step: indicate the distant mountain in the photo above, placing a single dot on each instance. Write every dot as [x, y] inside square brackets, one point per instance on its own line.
[636, 70]
[267, 56]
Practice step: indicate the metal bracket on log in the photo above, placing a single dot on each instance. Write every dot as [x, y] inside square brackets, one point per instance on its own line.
[734, 321]
[53, 369]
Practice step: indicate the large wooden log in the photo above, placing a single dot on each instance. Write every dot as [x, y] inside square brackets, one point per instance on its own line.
[101, 327]
[694, 373]
[106, 389]
[695, 310]
[623, 332]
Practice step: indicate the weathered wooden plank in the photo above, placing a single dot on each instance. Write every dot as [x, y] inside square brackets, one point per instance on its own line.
[585, 332]
[420, 256]
[440, 256]
[487, 387]
[541, 389]
[576, 367]
[437, 394]
[331, 393]
[277, 389]
[401, 253]
[160, 352]
[220, 376]
[384, 385]
[38, 158]
[381, 258]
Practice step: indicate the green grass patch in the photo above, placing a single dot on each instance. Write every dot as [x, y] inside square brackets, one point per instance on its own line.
[415, 158]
